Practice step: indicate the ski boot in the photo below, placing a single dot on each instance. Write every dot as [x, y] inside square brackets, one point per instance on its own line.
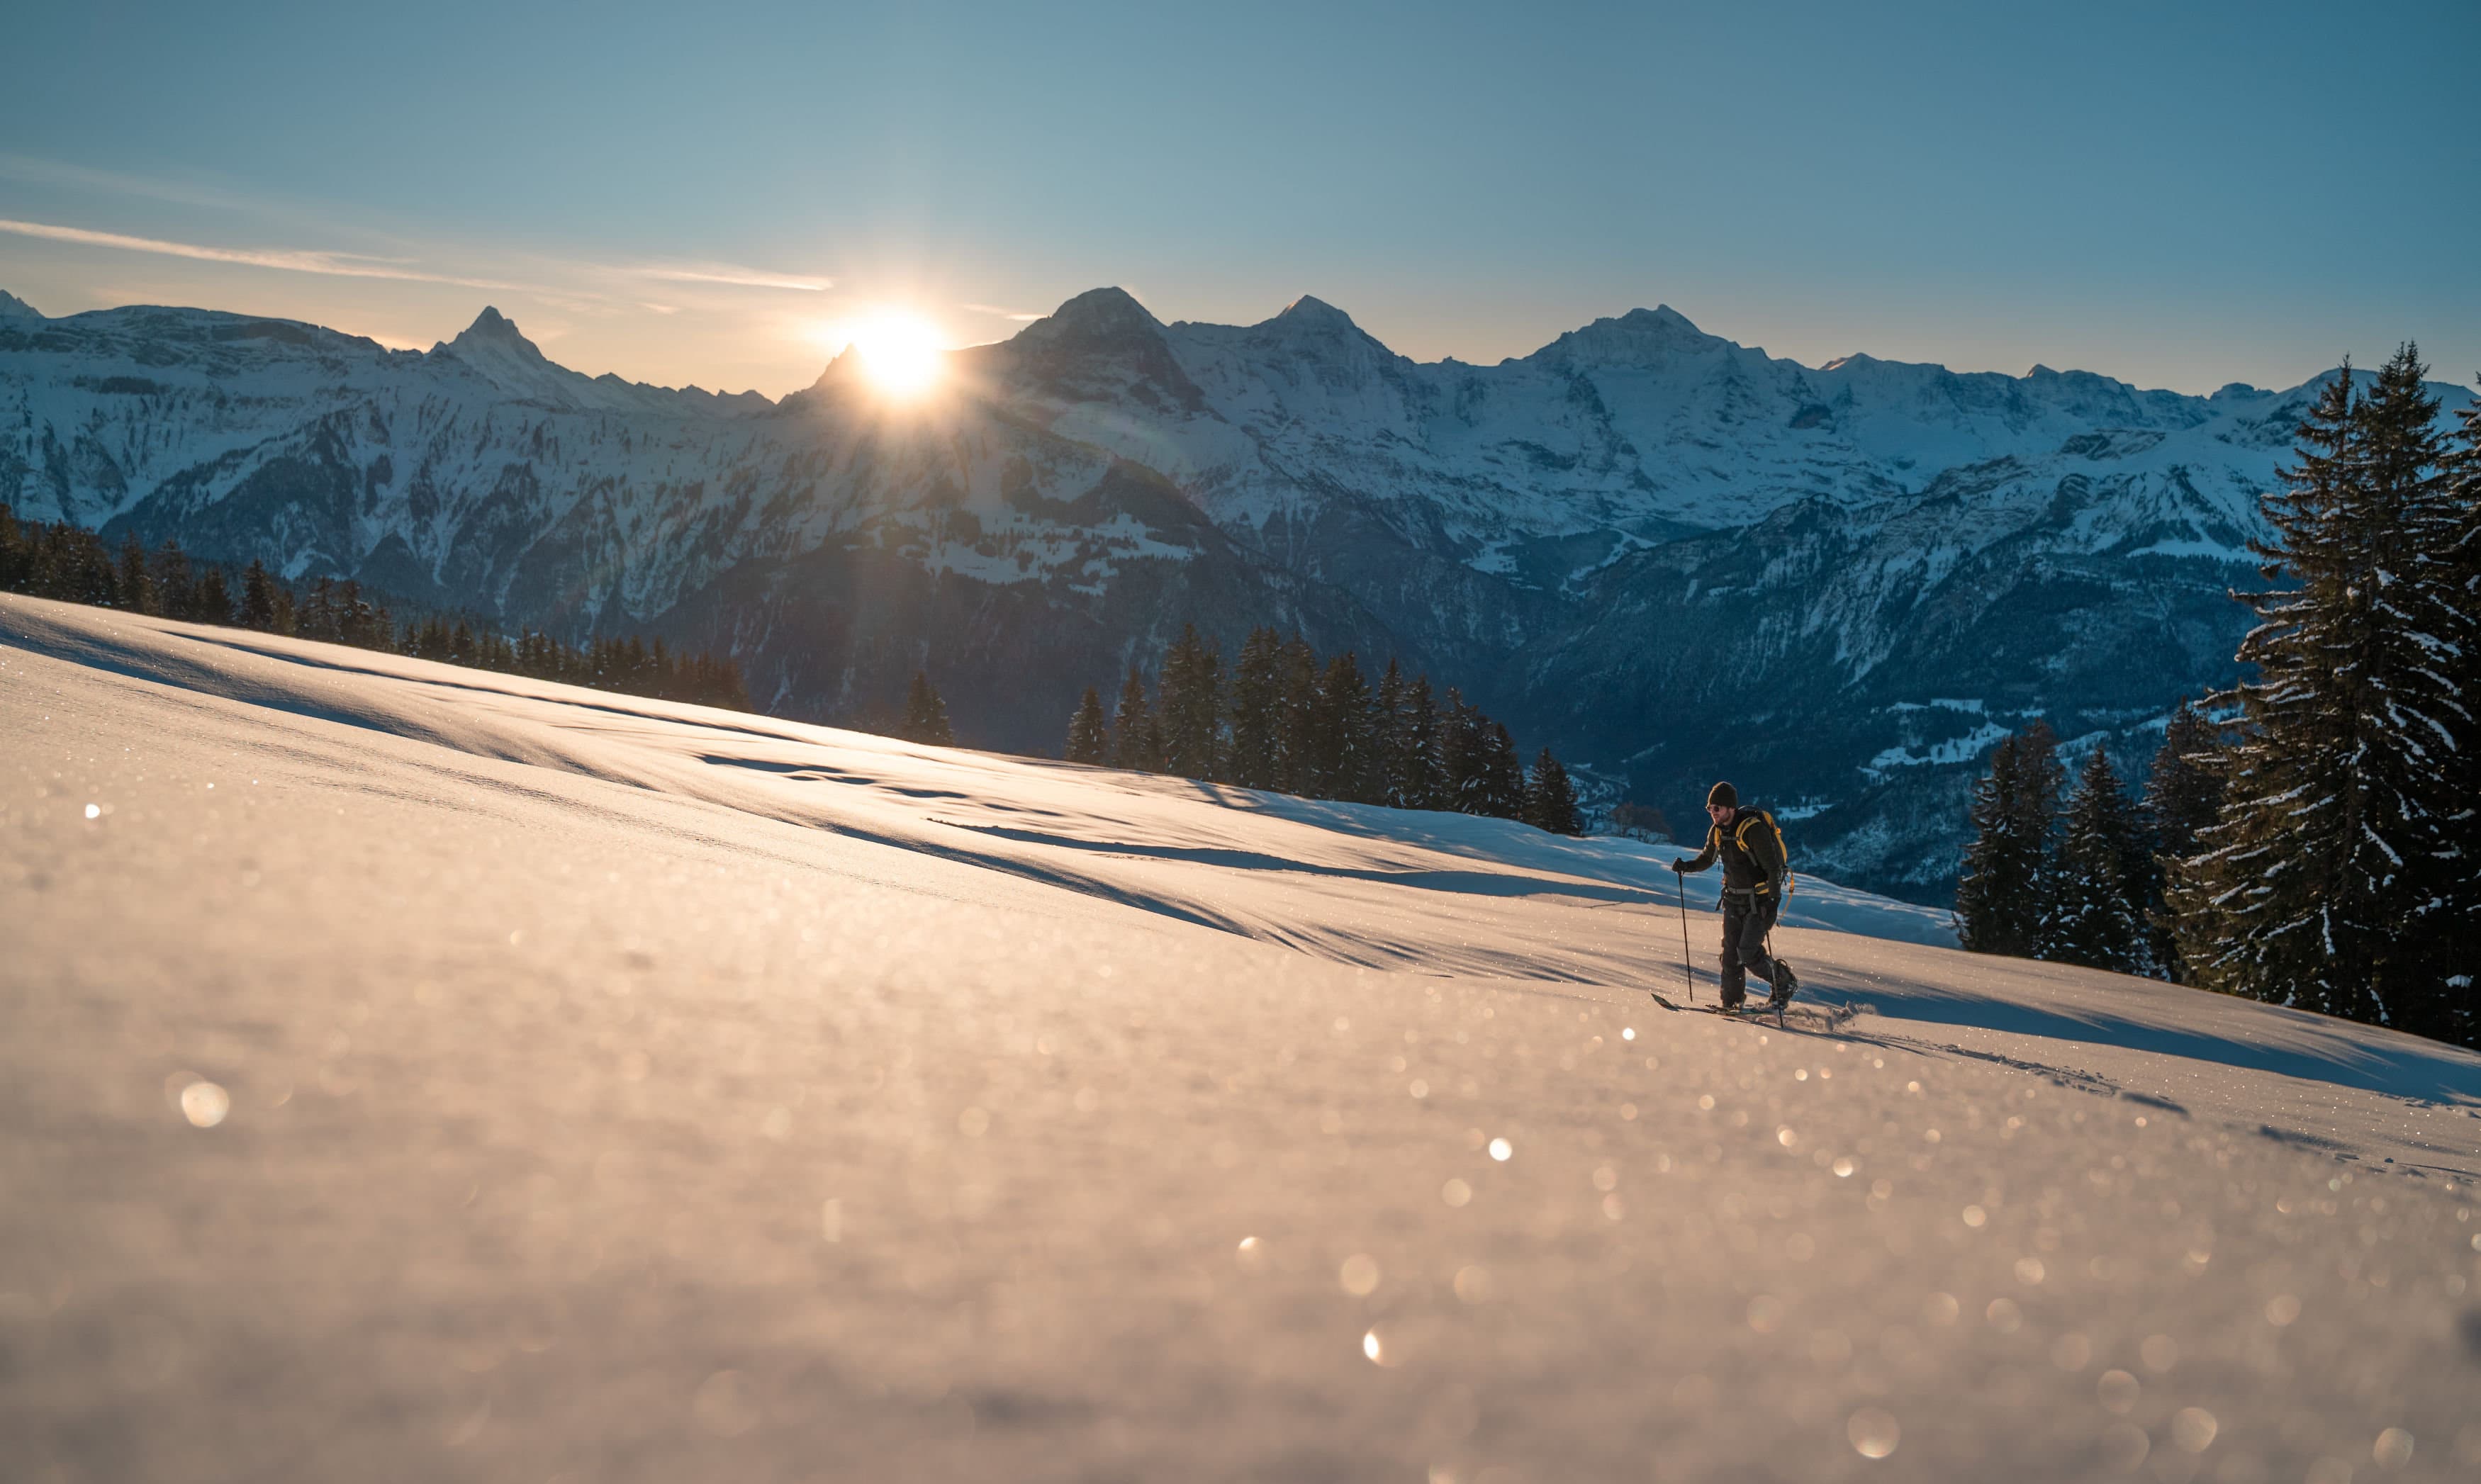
[1787, 985]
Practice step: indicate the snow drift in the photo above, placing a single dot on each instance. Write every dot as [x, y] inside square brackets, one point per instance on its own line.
[489, 1078]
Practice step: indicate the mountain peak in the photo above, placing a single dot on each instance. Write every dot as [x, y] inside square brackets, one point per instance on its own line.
[1660, 316]
[1640, 337]
[1309, 310]
[491, 326]
[12, 307]
[1095, 315]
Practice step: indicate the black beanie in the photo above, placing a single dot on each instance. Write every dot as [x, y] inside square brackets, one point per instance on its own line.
[1723, 795]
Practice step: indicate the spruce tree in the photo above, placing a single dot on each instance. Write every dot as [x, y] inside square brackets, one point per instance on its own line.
[137, 585]
[1088, 736]
[2323, 883]
[2000, 892]
[1295, 717]
[1257, 712]
[926, 715]
[2087, 917]
[1137, 742]
[1499, 775]
[2182, 794]
[2461, 913]
[1391, 733]
[1343, 747]
[210, 600]
[14, 551]
[1550, 797]
[1193, 707]
[168, 573]
[257, 597]
[1424, 785]
[1460, 760]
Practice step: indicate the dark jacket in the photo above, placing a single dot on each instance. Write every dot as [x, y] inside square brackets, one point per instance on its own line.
[1752, 854]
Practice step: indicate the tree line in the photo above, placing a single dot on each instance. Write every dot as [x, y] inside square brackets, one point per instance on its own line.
[2313, 836]
[45, 560]
[1283, 720]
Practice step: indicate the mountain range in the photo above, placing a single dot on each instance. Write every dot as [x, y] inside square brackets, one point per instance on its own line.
[1667, 555]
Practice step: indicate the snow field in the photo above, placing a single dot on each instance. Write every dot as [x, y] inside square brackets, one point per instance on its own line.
[499, 1080]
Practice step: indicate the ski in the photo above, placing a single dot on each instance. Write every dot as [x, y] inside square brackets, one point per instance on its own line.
[1825, 1017]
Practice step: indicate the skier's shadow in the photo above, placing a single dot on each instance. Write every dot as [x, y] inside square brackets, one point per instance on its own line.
[2313, 1047]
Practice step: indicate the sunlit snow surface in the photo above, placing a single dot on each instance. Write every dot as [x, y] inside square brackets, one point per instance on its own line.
[416, 1074]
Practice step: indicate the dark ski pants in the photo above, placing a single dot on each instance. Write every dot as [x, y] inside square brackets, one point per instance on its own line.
[1746, 920]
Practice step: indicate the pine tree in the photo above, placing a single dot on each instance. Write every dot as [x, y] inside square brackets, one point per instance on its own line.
[168, 573]
[1089, 737]
[15, 551]
[1999, 894]
[1423, 784]
[210, 600]
[1344, 749]
[2460, 919]
[1137, 742]
[1295, 718]
[1257, 712]
[1193, 707]
[1460, 755]
[925, 715]
[1498, 773]
[1550, 797]
[2087, 918]
[257, 597]
[138, 592]
[2182, 796]
[2324, 883]
[1390, 732]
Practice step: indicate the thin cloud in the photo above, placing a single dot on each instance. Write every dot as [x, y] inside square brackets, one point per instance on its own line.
[726, 272]
[57, 173]
[661, 308]
[1006, 314]
[334, 265]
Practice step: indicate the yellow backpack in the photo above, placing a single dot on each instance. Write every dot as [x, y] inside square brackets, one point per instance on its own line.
[1783, 851]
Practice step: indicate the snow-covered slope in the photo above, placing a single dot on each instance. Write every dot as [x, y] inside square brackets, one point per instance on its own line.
[510, 1082]
[1637, 525]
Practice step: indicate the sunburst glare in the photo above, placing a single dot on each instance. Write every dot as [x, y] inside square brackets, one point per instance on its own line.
[902, 353]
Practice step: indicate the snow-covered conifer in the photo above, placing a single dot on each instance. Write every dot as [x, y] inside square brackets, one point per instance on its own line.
[138, 592]
[1192, 706]
[1999, 893]
[210, 597]
[1390, 725]
[1550, 797]
[1257, 712]
[2087, 917]
[1089, 735]
[2326, 881]
[926, 715]
[1423, 781]
[1136, 738]
[1296, 707]
[1343, 736]
[1498, 773]
[257, 597]
[2182, 794]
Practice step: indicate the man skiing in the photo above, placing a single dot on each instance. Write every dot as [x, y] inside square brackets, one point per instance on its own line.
[1753, 877]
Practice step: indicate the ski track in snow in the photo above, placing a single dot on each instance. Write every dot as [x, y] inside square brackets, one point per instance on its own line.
[610, 1089]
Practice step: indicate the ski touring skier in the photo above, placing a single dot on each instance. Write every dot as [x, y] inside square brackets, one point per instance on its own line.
[1756, 876]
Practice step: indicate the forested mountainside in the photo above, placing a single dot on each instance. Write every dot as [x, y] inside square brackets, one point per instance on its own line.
[1666, 555]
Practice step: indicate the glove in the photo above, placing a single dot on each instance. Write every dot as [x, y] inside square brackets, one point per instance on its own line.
[1680, 864]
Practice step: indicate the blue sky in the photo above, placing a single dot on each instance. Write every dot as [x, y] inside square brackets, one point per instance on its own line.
[2178, 195]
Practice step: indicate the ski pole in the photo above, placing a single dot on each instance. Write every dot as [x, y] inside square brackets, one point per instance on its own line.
[1681, 883]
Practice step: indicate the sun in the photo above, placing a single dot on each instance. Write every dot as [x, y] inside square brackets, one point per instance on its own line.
[902, 353]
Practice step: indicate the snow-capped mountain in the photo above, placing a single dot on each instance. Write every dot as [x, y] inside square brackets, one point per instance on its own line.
[1665, 553]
